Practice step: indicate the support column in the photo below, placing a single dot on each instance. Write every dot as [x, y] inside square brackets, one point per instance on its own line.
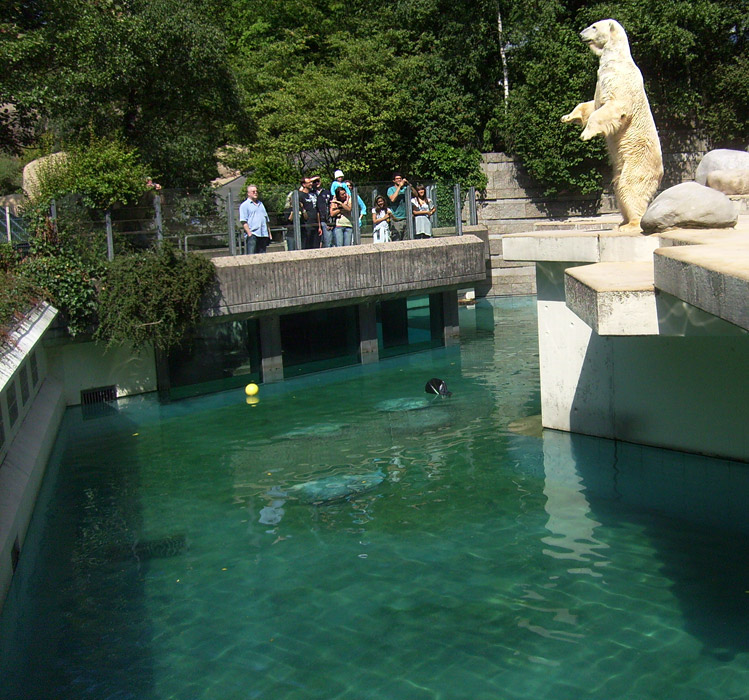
[270, 349]
[450, 323]
[369, 350]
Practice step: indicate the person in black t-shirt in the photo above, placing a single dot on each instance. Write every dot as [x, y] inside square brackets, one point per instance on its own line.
[311, 233]
[323, 211]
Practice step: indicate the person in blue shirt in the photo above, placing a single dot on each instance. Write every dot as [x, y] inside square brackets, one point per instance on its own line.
[254, 220]
[397, 197]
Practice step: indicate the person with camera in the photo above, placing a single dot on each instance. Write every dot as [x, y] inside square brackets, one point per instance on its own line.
[381, 216]
[340, 213]
[397, 196]
[311, 232]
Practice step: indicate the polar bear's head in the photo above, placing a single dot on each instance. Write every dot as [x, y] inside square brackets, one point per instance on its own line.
[607, 34]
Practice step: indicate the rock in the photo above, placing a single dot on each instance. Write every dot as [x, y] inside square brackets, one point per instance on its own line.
[721, 159]
[729, 181]
[689, 205]
[31, 172]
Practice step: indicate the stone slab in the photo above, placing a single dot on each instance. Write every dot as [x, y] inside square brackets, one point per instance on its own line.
[614, 299]
[714, 278]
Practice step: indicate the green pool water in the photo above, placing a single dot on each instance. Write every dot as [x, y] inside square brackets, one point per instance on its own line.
[170, 556]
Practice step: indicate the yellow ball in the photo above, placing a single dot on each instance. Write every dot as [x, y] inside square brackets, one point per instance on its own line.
[251, 389]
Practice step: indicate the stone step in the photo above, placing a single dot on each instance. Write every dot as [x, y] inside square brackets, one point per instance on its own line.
[613, 298]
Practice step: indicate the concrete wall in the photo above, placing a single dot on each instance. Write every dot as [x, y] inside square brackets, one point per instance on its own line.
[685, 392]
[28, 439]
[86, 365]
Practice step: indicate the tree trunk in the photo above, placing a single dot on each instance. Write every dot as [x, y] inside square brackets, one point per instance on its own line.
[503, 56]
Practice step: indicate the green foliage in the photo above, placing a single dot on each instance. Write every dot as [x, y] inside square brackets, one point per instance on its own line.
[152, 297]
[153, 72]
[104, 172]
[11, 173]
[551, 151]
[66, 281]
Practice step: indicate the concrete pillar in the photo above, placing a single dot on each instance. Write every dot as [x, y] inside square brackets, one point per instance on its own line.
[271, 358]
[368, 346]
[450, 323]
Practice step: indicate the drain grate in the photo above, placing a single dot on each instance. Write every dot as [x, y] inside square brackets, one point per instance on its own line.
[102, 394]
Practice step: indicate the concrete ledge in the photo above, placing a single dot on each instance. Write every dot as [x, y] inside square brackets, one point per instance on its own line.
[296, 280]
[578, 246]
[613, 298]
[714, 278]
[21, 473]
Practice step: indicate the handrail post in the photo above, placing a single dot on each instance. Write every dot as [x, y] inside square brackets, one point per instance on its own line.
[473, 216]
[157, 210]
[7, 224]
[297, 222]
[230, 221]
[53, 215]
[432, 197]
[458, 210]
[355, 214]
[110, 237]
[409, 214]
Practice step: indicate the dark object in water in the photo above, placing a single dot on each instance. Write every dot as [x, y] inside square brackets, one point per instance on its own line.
[335, 488]
[166, 547]
[437, 386]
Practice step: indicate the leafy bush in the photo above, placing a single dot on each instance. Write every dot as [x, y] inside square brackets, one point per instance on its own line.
[152, 297]
[66, 281]
[103, 172]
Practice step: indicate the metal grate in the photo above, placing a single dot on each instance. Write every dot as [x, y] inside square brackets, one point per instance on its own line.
[102, 394]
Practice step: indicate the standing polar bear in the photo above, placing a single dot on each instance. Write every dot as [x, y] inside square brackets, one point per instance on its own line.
[620, 112]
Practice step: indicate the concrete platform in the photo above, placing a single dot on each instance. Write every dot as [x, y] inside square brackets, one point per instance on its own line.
[705, 268]
[614, 298]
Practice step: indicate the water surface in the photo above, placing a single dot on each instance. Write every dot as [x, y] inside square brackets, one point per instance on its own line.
[169, 557]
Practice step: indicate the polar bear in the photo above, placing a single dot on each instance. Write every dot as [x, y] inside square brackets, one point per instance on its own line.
[621, 113]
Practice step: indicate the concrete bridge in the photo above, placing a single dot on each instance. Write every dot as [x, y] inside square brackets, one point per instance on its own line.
[270, 285]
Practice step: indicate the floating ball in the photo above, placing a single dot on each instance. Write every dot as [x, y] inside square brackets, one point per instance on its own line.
[251, 389]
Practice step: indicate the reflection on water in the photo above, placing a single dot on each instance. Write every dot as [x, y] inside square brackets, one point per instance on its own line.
[174, 560]
[570, 522]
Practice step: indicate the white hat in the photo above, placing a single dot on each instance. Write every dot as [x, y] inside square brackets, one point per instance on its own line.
[337, 174]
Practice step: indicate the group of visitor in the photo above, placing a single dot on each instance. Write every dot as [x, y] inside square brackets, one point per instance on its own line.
[326, 215]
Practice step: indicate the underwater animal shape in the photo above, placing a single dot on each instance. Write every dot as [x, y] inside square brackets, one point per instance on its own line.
[438, 387]
[335, 488]
[407, 404]
[316, 430]
[146, 550]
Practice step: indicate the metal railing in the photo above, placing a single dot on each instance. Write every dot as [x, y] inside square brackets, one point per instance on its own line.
[208, 220]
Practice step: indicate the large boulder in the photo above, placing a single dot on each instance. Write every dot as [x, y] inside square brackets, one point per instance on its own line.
[689, 205]
[721, 159]
[729, 181]
[31, 171]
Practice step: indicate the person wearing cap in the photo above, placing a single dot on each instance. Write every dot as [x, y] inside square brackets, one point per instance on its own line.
[338, 182]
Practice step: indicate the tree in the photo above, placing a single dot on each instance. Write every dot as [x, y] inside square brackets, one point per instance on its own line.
[153, 72]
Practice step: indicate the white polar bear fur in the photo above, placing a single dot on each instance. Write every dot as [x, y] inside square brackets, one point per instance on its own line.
[621, 113]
